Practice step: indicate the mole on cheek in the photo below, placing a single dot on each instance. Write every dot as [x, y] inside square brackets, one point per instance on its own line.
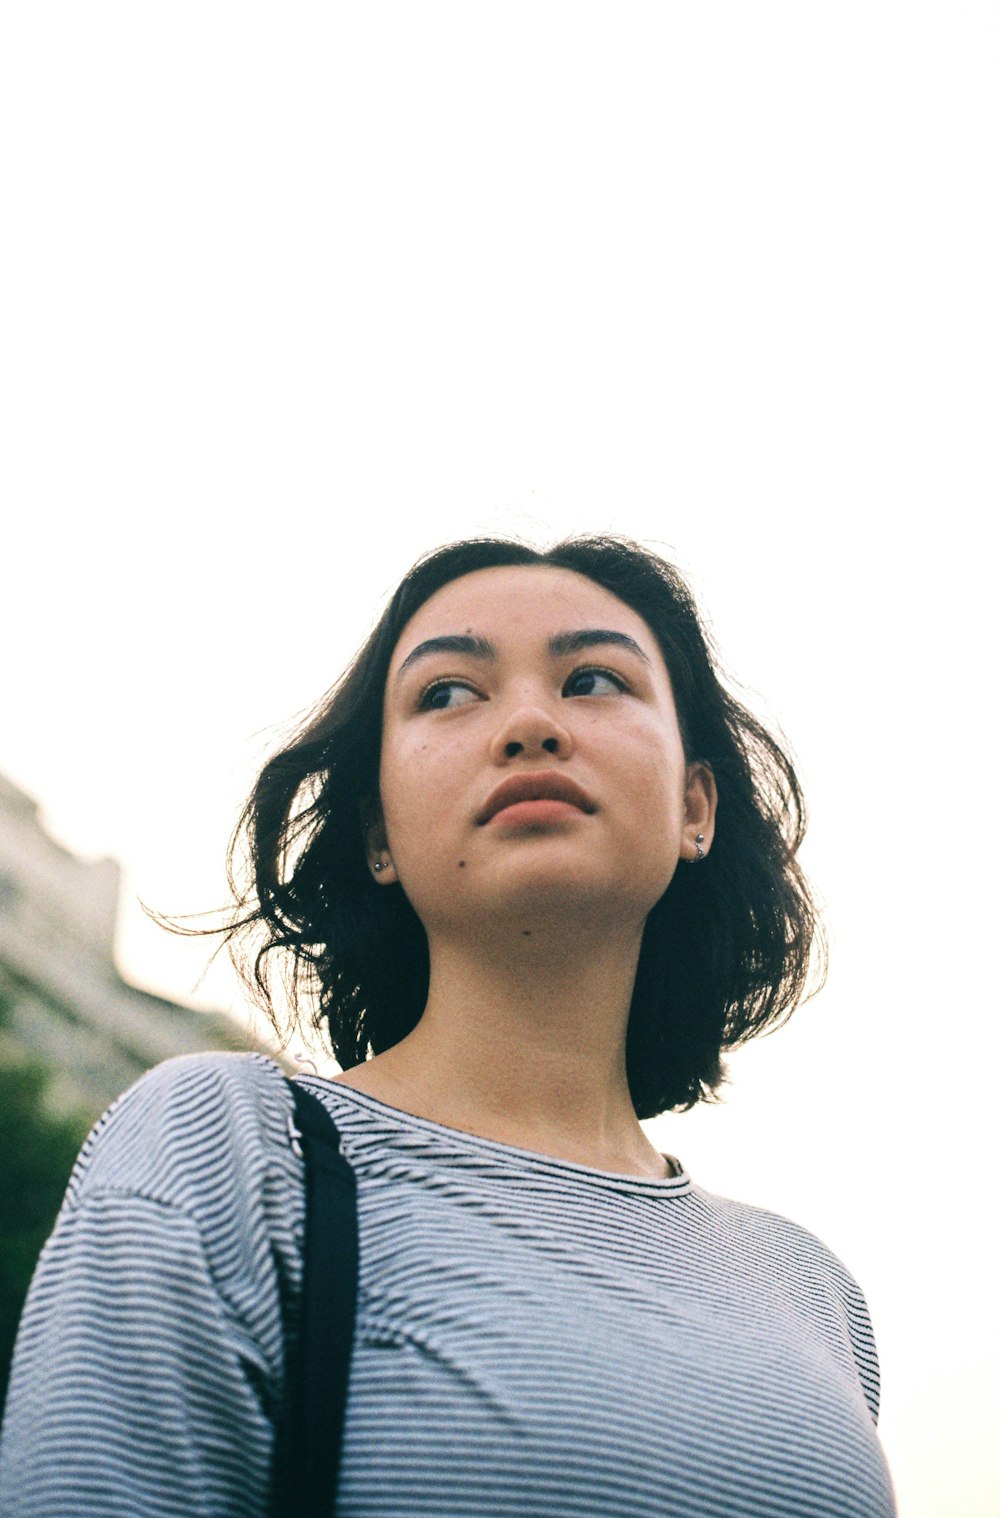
[461, 864]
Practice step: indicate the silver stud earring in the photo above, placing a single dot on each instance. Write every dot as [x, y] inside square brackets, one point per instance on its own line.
[699, 840]
[380, 865]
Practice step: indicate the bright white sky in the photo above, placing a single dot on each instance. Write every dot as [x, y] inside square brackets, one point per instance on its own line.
[292, 293]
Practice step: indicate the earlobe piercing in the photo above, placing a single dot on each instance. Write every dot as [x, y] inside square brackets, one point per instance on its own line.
[699, 840]
[380, 865]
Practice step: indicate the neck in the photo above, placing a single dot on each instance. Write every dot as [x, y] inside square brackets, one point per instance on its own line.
[523, 1040]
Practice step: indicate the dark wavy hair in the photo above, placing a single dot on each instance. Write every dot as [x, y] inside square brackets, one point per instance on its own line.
[729, 950]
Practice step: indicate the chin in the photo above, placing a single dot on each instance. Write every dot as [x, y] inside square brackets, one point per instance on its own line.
[556, 898]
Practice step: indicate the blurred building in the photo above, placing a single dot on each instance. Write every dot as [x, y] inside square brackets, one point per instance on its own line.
[62, 1000]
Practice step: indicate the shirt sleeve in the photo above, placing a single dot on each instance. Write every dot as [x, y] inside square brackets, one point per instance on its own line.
[149, 1363]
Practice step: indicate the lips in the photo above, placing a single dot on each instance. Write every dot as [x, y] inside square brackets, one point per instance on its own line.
[544, 786]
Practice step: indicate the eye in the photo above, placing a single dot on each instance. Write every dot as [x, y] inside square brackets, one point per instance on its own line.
[593, 682]
[445, 694]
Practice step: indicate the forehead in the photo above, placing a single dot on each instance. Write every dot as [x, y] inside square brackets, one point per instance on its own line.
[522, 602]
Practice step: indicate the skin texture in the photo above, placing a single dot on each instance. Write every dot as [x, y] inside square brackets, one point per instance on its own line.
[534, 918]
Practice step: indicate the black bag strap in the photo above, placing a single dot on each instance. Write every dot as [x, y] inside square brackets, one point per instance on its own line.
[309, 1437]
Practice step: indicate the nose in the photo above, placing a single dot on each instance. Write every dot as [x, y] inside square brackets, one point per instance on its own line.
[530, 731]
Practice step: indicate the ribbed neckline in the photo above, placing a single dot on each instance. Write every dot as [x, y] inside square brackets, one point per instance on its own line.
[512, 1153]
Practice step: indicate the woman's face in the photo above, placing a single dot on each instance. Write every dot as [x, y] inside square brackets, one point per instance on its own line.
[532, 761]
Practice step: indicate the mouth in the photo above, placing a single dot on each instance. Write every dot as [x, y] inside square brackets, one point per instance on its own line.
[544, 787]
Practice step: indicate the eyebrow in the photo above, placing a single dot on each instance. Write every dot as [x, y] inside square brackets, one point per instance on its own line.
[560, 645]
[593, 637]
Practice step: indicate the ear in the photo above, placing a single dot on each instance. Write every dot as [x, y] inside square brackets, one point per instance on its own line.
[701, 799]
[377, 845]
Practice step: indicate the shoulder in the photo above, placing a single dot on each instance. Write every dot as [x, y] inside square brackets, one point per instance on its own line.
[203, 1139]
[792, 1252]
[812, 1280]
[152, 1346]
[183, 1124]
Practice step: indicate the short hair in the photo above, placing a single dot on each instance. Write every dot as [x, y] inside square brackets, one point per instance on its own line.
[729, 950]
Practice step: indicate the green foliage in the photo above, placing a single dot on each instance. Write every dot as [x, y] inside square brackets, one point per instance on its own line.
[38, 1153]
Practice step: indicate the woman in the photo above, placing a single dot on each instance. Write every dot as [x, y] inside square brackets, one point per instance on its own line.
[533, 869]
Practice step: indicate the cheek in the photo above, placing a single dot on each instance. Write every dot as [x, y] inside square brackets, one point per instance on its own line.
[659, 812]
[413, 795]
[659, 832]
[655, 761]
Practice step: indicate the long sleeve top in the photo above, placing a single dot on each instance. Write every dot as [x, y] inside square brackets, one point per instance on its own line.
[534, 1337]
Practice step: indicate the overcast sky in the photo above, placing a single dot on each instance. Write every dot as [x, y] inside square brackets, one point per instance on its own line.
[293, 293]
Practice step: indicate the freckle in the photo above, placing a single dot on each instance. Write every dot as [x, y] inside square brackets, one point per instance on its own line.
[461, 864]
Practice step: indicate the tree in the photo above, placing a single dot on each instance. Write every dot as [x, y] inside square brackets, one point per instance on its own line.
[39, 1151]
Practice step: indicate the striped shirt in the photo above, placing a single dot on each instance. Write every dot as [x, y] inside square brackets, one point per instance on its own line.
[534, 1337]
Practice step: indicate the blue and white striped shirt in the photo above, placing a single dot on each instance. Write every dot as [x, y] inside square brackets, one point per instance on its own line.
[534, 1337]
